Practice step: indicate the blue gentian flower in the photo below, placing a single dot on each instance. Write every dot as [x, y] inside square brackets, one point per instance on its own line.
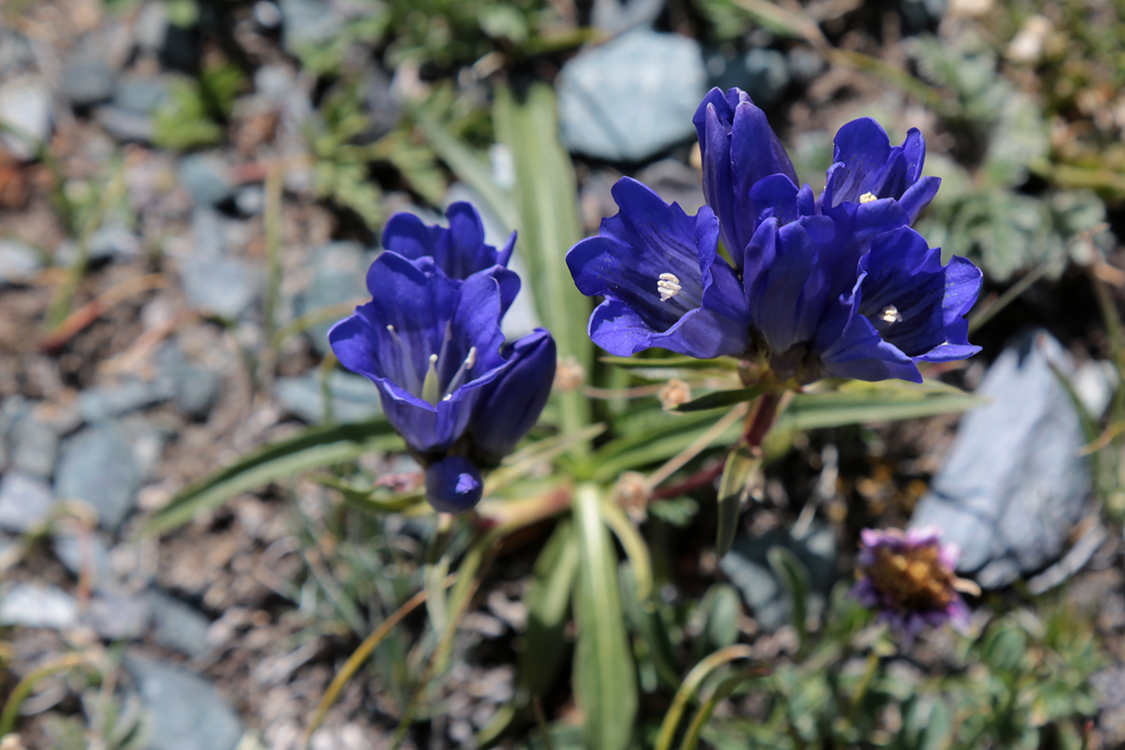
[837, 285]
[459, 250]
[430, 341]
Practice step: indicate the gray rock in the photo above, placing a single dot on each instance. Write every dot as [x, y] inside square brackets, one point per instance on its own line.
[354, 398]
[267, 14]
[308, 22]
[338, 274]
[206, 178]
[33, 447]
[250, 200]
[113, 241]
[125, 125]
[380, 105]
[27, 108]
[16, 55]
[117, 616]
[25, 502]
[19, 263]
[186, 712]
[38, 605]
[227, 287]
[617, 16]
[87, 77]
[805, 63]
[99, 465]
[196, 388]
[747, 566]
[104, 402]
[1014, 484]
[767, 72]
[140, 93]
[85, 554]
[151, 26]
[632, 97]
[209, 232]
[177, 625]
[676, 182]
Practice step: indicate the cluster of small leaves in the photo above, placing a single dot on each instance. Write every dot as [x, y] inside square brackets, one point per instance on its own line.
[196, 108]
[984, 214]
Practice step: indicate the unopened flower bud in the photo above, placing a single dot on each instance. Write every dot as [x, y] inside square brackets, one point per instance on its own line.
[570, 375]
[632, 493]
[453, 485]
[673, 393]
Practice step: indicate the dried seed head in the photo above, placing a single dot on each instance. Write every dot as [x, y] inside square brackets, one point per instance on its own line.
[673, 393]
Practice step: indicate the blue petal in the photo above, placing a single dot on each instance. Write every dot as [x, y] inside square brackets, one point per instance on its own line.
[453, 485]
[511, 404]
[916, 197]
[738, 148]
[860, 157]
[787, 292]
[459, 250]
[902, 272]
[645, 240]
[861, 353]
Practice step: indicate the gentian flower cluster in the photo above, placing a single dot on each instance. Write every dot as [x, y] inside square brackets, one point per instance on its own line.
[836, 285]
[430, 341]
[909, 579]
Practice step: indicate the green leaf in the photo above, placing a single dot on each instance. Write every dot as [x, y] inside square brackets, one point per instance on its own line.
[605, 683]
[857, 402]
[316, 448]
[681, 363]
[548, 600]
[470, 168]
[721, 399]
[546, 197]
[741, 465]
[795, 580]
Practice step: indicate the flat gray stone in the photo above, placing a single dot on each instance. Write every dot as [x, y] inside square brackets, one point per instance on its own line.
[25, 502]
[633, 97]
[34, 447]
[99, 465]
[206, 177]
[186, 711]
[227, 287]
[117, 616]
[125, 125]
[338, 272]
[354, 397]
[308, 22]
[104, 402]
[19, 262]
[26, 106]
[747, 566]
[86, 555]
[38, 605]
[1014, 484]
[177, 625]
[87, 77]
[616, 16]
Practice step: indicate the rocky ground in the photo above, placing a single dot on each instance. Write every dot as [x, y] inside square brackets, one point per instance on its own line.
[154, 327]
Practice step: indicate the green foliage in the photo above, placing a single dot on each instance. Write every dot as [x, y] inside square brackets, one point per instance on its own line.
[195, 109]
[983, 214]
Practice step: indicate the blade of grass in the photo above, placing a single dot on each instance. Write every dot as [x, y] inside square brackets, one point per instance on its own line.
[604, 675]
[316, 448]
[469, 167]
[640, 560]
[691, 683]
[359, 656]
[725, 689]
[546, 197]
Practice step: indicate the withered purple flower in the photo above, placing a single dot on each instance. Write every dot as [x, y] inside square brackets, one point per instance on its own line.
[910, 579]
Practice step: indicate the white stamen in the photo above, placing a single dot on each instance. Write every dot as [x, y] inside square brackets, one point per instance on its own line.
[891, 315]
[463, 370]
[668, 285]
[867, 198]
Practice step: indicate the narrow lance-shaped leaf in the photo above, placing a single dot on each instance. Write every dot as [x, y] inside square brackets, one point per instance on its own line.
[546, 196]
[315, 448]
[605, 682]
[548, 600]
